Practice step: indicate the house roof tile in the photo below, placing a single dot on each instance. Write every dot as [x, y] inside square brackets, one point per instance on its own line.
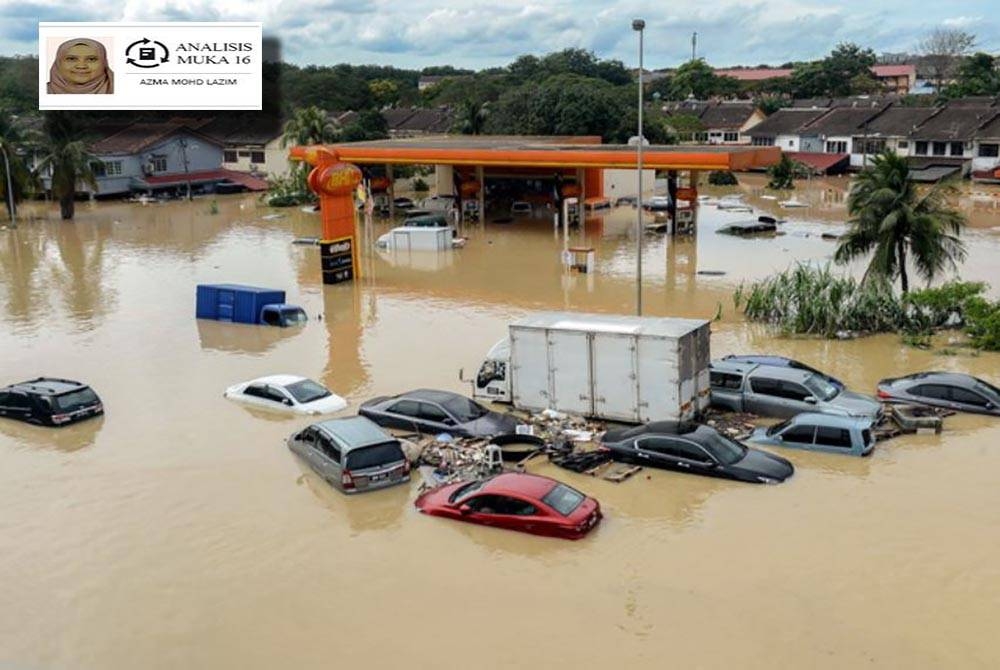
[785, 121]
[839, 121]
[138, 136]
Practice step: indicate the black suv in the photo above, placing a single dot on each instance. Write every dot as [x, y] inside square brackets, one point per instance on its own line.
[50, 402]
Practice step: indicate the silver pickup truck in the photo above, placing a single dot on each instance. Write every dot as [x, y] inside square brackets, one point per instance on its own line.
[782, 392]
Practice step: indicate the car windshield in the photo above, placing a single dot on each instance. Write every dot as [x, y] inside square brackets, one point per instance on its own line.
[464, 410]
[68, 402]
[375, 455]
[724, 450]
[294, 316]
[306, 391]
[563, 499]
[991, 392]
[467, 490]
[819, 387]
[777, 428]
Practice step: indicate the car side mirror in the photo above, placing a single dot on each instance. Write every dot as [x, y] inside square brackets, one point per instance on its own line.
[990, 405]
[811, 399]
[287, 401]
[464, 509]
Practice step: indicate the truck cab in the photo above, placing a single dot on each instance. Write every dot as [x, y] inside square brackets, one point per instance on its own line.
[492, 382]
[283, 315]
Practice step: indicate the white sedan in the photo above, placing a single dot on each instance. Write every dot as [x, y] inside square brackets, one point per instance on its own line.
[288, 393]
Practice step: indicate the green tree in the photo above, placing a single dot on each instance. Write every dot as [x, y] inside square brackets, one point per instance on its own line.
[846, 71]
[696, 78]
[977, 75]
[782, 174]
[893, 220]
[67, 160]
[384, 91]
[309, 125]
[369, 125]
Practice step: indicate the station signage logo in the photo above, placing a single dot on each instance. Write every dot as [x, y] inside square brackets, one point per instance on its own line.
[139, 65]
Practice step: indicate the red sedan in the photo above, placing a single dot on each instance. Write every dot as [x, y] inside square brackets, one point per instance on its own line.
[517, 501]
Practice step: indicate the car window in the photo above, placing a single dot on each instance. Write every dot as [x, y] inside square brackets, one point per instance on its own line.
[673, 447]
[563, 499]
[274, 395]
[406, 408]
[255, 391]
[67, 402]
[793, 391]
[802, 434]
[777, 428]
[327, 446]
[3, 398]
[820, 388]
[307, 390]
[967, 397]
[935, 391]
[18, 401]
[375, 455]
[431, 412]
[307, 436]
[485, 504]
[467, 490]
[987, 388]
[765, 386]
[866, 436]
[272, 318]
[294, 316]
[829, 436]
[726, 380]
[721, 448]
[463, 409]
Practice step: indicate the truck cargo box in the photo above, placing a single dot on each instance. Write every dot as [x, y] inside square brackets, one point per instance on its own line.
[234, 302]
[619, 368]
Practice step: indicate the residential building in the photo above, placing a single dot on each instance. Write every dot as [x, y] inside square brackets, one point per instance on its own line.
[254, 146]
[414, 122]
[896, 78]
[781, 129]
[986, 151]
[890, 129]
[841, 131]
[723, 122]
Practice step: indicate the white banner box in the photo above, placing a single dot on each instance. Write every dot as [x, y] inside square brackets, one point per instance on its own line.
[142, 65]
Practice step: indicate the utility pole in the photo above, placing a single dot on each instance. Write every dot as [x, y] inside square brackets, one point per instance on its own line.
[694, 45]
[187, 175]
[10, 187]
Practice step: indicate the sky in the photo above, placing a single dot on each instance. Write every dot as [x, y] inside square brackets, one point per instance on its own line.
[482, 33]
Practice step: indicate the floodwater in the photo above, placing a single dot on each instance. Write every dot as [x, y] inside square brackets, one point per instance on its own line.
[179, 531]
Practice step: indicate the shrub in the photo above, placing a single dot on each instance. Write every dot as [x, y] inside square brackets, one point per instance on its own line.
[722, 178]
[420, 186]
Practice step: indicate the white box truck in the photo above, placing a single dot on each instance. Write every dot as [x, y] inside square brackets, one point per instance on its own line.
[617, 368]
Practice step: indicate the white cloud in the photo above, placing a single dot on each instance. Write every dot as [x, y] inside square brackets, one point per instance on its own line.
[962, 21]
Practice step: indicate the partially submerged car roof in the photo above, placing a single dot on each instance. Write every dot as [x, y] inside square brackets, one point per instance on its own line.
[355, 432]
[520, 482]
[48, 385]
[832, 420]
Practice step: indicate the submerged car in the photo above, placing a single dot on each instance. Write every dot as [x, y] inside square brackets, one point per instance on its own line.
[950, 390]
[521, 208]
[820, 432]
[431, 411]
[289, 393]
[352, 454]
[49, 401]
[516, 501]
[781, 362]
[782, 392]
[696, 449]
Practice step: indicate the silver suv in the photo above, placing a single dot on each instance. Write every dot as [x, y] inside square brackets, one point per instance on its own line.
[353, 454]
[783, 392]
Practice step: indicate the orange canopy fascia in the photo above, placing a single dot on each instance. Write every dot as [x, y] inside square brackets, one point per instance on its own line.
[660, 158]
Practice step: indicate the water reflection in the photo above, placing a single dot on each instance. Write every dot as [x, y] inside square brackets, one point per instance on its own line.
[80, 275]
[21, 254]
[67, 439]
[241, 337]
[376, 510]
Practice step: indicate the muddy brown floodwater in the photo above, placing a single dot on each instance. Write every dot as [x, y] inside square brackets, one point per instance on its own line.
[179, 531]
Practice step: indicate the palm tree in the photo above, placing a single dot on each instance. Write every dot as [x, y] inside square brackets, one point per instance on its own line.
[892, 218]
[472, 117]
[67, 160]
[15, 178]
[309, 125]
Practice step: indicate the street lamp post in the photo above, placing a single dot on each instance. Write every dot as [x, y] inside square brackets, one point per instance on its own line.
[638, 25]
[187, 174]
[10, 186]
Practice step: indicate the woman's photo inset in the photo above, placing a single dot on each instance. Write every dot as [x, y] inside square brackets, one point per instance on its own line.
[81, 66]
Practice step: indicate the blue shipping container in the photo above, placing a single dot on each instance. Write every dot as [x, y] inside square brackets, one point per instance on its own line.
[234, 302]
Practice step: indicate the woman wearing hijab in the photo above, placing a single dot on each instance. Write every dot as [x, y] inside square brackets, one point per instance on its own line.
[81, 66]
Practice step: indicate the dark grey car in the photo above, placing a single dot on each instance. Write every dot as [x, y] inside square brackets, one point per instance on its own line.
[697, 449]
[430, 411]
[950, 390]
